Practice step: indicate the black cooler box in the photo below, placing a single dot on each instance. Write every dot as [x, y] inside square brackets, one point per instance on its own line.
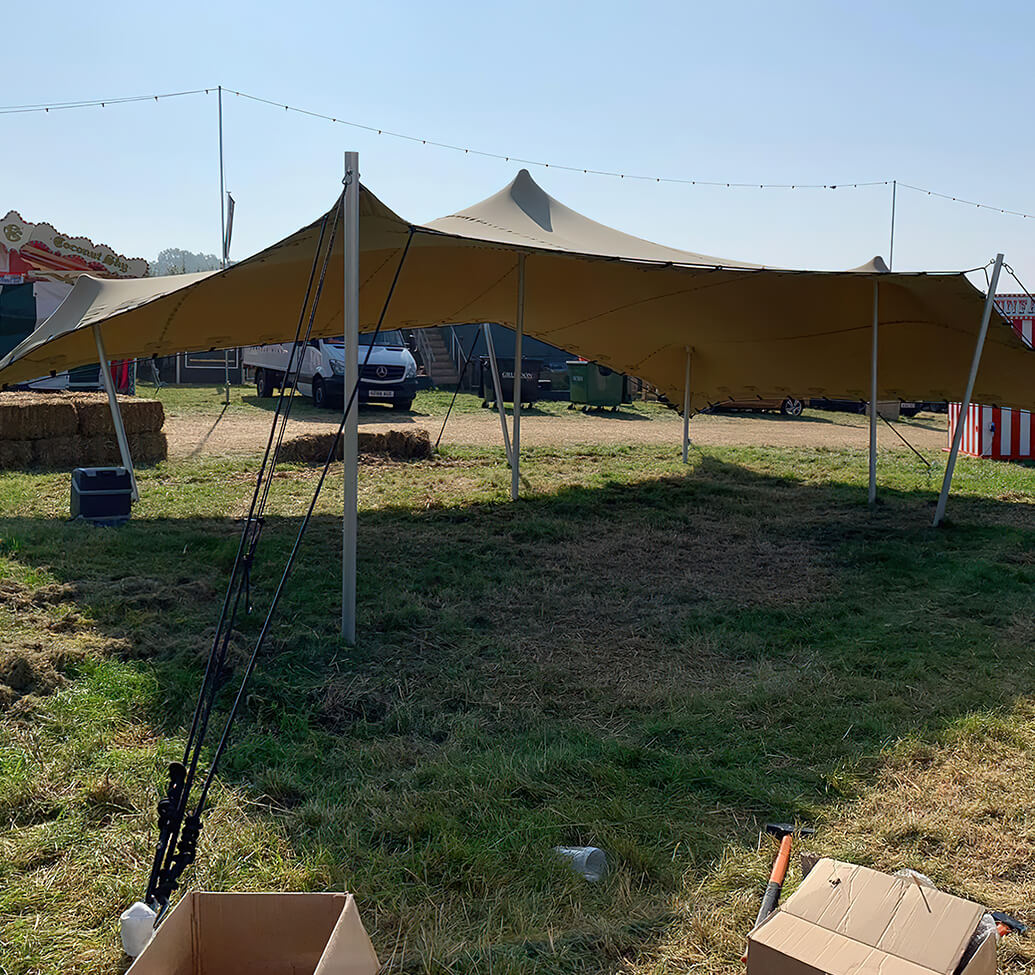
[102, 495]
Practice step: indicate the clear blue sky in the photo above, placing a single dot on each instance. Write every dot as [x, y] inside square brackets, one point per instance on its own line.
[933, 93]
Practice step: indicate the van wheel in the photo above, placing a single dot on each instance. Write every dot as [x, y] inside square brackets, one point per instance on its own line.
[264, 384]
[319, 393]
[402, 404]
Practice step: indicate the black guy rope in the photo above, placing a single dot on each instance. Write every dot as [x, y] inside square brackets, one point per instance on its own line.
[168, 861]
[170, 866]
[459, 383]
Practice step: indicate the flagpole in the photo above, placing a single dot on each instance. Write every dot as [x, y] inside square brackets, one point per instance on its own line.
[222, 235]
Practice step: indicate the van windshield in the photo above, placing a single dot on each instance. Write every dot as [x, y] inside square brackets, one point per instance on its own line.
[392, 337]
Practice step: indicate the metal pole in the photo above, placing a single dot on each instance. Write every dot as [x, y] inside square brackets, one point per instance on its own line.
[891, 249]
[222, 235]
[350, 441]
[495, 370]
[116, 413]
[957, 436]
[873, 402]
[515, 466]
[686, 408]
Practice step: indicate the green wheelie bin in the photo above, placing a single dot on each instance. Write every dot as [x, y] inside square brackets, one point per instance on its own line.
[595, 387]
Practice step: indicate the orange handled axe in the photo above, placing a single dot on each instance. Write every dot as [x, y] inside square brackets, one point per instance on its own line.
[785, 832]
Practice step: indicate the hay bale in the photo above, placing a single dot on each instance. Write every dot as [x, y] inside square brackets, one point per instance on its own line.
[407, 444]
[138, 415]
[15, 455]
[401, 444]
[34, 416]
[57, 453]
[310, 448]
[94, 416]
[99, 452]
[148, 447]
[142, 415]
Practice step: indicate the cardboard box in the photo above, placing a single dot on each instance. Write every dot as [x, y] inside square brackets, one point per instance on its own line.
[260, 934]
[848, 920]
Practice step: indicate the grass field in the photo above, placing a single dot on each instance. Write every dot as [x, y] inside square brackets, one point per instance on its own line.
[650, 658]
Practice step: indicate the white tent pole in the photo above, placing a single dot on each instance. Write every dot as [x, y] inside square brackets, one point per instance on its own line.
[350, 440]
[495, 370]
[873, 402]
[686, 408]
[957, 436]
[891, 251]
[222, 234]
[515, 467]
[116, 413]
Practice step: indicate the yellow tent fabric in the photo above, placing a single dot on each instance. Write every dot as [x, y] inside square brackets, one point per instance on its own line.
[625, 302]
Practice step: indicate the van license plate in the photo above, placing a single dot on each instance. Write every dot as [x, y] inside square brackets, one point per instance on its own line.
[381, 393]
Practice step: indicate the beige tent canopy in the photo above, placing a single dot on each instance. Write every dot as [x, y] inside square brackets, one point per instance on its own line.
[631, 304]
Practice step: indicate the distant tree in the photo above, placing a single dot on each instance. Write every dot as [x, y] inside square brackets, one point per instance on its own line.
[175, 260]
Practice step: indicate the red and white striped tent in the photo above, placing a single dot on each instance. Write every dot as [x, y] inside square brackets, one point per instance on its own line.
[991, 431]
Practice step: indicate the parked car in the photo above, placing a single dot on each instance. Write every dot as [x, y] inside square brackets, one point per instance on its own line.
[788, 406]
[908, 408]
[388, 375]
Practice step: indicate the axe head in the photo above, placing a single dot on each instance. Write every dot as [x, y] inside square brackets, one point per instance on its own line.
[780, 830]
[1011, 922]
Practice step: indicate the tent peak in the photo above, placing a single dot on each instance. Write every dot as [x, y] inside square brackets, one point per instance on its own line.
[532, 199]
[875, 265]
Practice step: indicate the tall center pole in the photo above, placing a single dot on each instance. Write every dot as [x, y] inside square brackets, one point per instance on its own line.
[891, 249]
[957, 436]
[515, 467]
[222, 233]
[873, 402]
[350, 441]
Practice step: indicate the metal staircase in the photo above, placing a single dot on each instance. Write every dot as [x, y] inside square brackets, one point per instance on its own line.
[437, 354]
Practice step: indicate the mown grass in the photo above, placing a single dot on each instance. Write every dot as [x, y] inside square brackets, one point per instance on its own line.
[646, 657]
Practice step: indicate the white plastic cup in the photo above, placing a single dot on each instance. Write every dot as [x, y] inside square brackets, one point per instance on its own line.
[137, 928]
[589, 861]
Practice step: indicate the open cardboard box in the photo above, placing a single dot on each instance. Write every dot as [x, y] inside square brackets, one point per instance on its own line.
[848, 920]
[260, 934]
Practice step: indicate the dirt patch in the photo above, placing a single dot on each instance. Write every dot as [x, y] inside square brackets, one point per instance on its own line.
[246, 433]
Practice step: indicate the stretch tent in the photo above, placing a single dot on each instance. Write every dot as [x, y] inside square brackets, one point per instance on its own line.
[630, 304]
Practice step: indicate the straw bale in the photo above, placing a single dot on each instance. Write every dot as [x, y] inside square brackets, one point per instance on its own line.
[401, 444]
[138, 415]
[148, 447]
[94, 416]
[15, 455]
[142, 415]
[33, 416]
[57, 453]
[309, 448]
[99, 452]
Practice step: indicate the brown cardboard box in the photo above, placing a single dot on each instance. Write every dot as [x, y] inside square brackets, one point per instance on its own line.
[260, 934]
[848, 920]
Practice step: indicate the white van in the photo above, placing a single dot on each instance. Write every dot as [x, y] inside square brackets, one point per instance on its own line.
[389, 376]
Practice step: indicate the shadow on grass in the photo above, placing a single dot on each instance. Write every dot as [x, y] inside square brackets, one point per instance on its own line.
[653, 667]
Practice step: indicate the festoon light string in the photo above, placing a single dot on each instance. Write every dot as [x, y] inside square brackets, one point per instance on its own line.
[505, 157]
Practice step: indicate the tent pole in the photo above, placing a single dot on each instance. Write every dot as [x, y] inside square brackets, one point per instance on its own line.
[515, 467]
[873, 402]
[891, 251]
[495, 369]
[222, 236]
[686, 408]
[957, 436]
[116, 413]
[350, 441]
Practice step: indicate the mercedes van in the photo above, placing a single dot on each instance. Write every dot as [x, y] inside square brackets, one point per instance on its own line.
[388, 375]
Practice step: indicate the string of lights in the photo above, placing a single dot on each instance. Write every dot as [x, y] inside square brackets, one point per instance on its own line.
[97, 102]
[467, 150]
